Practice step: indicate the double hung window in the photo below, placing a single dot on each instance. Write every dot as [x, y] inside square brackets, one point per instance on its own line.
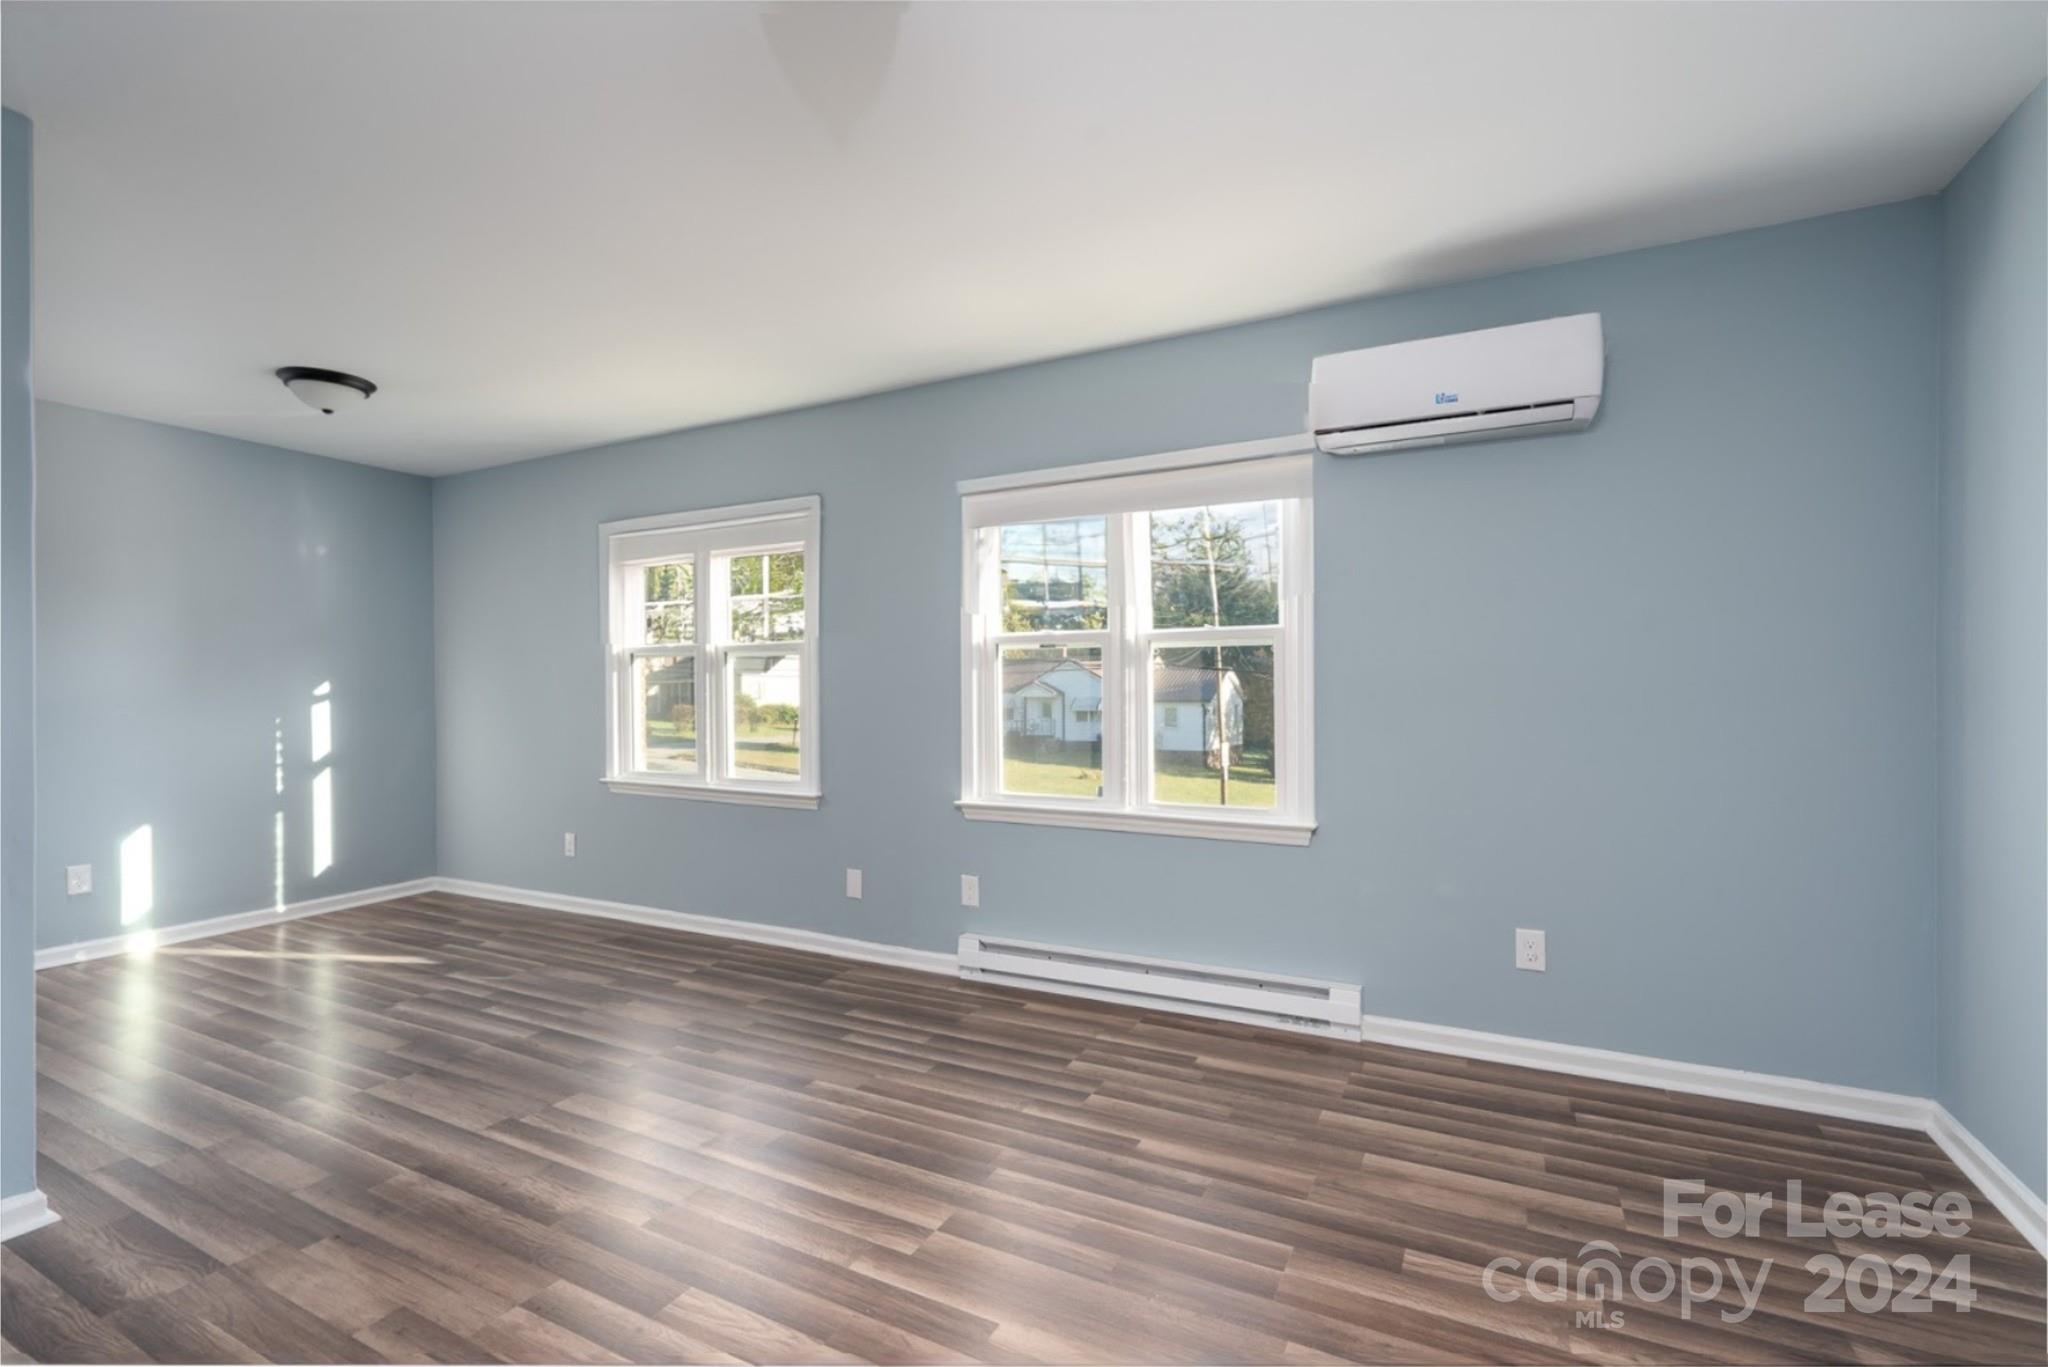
[711, 667]
[1137, 650]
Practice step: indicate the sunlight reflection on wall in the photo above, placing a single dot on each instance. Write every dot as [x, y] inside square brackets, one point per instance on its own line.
[277, 817]
[321, 747]
[138, 874]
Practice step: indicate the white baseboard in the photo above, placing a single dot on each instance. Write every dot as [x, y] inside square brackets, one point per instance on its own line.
[2014, 1199]
[817, 941]
[22, 1213]
[155, 937]
[1643, 1070]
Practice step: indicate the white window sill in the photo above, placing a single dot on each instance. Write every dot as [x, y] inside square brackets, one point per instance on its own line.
[1142, 823]
[705, 792]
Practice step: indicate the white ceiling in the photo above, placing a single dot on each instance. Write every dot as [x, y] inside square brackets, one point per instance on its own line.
[542, 226]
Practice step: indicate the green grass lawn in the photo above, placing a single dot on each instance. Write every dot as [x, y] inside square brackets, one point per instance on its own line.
[1046, 773]
[765, 749]
[1178, 778]
[759, 749]
[669, 751]
[1185, 778]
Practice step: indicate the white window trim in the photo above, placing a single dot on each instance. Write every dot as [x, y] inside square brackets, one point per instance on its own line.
[1042, 494]
[783, 524]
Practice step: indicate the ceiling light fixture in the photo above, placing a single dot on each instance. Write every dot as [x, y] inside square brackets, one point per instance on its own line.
[325, 390]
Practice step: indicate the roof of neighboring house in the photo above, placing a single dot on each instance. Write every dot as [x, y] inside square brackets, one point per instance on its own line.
[1185, 683]
[1173, 683]
[1021, 673]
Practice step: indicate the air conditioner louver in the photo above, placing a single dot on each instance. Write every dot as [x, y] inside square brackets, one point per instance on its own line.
[1519, 420]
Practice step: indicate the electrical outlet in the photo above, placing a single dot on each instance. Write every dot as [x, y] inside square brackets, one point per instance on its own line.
[77, 879]
[568, 844]
[1529, 950]
[853, 884]
[970, 890]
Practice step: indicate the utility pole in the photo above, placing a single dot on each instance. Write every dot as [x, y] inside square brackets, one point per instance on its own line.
[1216, 620]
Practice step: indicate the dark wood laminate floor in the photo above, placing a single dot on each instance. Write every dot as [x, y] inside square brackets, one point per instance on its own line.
[445, 1130]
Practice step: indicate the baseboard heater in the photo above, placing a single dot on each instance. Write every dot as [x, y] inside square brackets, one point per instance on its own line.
[1272, 999]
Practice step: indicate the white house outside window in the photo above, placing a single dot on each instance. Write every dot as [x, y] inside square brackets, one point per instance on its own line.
[1137, 646]
[711, 663]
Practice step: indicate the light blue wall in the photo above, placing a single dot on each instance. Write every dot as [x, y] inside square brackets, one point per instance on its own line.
[1994, 645]
[17, 672]
[192, 592]
[1665, 689]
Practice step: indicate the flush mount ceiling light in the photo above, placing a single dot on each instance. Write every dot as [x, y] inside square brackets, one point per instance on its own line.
[325, 390]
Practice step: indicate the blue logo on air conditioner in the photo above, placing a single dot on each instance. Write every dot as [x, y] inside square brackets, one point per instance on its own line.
[1442, 397]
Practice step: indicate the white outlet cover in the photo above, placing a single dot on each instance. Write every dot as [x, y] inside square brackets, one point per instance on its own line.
[77, 879]
[970, 890]
[569, 844]
[1529, 951]
[853, 884]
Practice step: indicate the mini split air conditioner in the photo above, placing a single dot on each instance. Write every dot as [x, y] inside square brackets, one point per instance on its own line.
[1526, 380]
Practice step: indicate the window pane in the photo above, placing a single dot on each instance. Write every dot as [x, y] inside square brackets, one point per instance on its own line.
[666, 583]
[668, 624]
[1026, 539]
[1217, 566]
[1052, 721]
[767, 694]
[786, 572]
[670, 595]
[1212, 726]
[665, 732]
[1023, 594]
[1056, 575]
[769, 617]
[767, 596]
[1077, 599]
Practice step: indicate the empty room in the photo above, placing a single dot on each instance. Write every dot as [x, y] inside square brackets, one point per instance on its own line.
[910, 682]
